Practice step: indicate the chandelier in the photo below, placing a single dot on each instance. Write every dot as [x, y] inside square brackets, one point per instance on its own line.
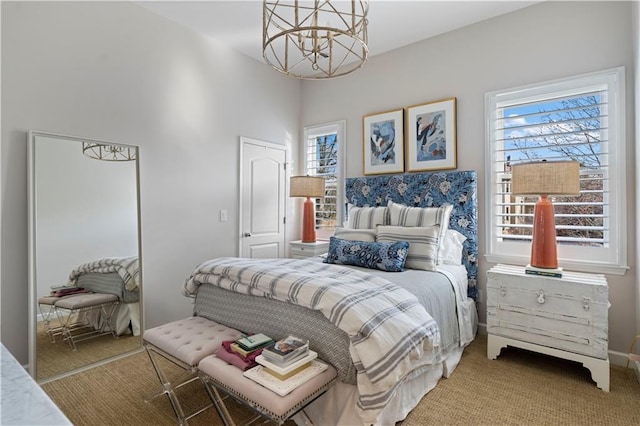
[315, 39]
[108, 152]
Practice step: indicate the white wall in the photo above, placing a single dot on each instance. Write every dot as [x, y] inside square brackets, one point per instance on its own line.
[542, 42]
[115, 71]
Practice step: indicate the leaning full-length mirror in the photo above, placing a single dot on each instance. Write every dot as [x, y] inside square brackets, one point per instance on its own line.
[84, 253]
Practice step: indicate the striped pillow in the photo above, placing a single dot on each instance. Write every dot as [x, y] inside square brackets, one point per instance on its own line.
[368, 235]
[367, 217]
[423, 244]
[401, 215]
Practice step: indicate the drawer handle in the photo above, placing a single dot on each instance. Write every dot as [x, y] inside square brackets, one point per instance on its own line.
[586, 303]
[541, 297]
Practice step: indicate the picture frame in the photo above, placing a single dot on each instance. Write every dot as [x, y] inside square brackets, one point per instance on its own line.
[383, 142]
[431, 136]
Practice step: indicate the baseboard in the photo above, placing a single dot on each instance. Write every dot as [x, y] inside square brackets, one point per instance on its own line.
[482, 328]
[615, 357]
[618, 358]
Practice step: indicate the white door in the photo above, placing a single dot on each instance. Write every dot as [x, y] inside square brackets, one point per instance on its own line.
[262, 198]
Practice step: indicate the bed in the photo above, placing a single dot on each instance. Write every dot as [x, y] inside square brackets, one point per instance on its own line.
[363, 394]
[118, 276]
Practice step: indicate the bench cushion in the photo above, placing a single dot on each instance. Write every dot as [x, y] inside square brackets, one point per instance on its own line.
[190, 339]
[85, 300]
[49, 300]
[230, 378]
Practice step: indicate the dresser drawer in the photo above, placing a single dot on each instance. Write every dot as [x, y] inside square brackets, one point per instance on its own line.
[568, 313]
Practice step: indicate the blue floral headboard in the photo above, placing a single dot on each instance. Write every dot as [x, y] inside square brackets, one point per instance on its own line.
[428, 190]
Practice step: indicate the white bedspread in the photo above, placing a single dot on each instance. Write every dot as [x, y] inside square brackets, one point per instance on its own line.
[126, 267]
[390, 331]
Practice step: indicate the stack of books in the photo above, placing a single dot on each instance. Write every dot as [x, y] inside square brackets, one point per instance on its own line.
[242, 352]
[67, 290]
[286, 351]
[285, 365]
[247, 345]
[293, 368]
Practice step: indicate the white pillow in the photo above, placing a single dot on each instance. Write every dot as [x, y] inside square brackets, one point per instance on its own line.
[401, 215]
[423, 244]
[450, 252]
[367, 217]
[368, 235]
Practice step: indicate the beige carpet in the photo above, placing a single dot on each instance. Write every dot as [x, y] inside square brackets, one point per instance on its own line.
[57, 358]
[519, 388]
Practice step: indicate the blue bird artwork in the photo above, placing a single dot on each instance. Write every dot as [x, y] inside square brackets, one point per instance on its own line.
[430, 137]
[382, 143]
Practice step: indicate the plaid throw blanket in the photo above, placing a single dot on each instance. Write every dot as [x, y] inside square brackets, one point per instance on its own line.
[126, 267]
[390, 331]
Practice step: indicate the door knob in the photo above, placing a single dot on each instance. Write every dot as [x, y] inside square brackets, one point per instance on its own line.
[247, 234]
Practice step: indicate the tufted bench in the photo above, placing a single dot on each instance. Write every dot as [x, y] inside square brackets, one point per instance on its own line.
[219, 375]
[72, 312]
[184, 343]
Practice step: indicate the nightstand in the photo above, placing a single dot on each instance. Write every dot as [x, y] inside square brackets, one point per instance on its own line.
[300, 250]
[563, 317]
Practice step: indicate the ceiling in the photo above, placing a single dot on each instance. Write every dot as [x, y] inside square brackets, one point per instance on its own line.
[392, 23]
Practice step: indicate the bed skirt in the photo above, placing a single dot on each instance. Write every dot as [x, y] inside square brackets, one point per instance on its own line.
[337, 405]
[123, 315]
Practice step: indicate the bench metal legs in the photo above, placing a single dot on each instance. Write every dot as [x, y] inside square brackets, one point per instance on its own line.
[71, 326]
[48, 312]
[168, 387]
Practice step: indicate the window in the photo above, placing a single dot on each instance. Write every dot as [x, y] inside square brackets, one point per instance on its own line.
[323, 157]
[581, 119]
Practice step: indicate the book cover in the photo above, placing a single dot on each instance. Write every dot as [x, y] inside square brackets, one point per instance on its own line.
[286, 349]
[245, 353]
[553, 272]
[287, 361]
[287, 375]
[284, 387]
[254, 342]
[310, 356]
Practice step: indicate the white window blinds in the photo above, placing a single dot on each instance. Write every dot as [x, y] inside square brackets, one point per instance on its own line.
[576, 119]
[322, 158]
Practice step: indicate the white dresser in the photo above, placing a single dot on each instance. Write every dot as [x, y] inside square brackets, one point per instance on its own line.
[564, 317]
[23, 402]
[300, 250]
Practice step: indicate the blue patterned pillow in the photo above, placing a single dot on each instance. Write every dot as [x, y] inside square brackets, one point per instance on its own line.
[387, 256]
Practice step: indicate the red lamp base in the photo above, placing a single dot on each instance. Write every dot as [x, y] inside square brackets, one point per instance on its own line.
[308, 222]
[544, 252]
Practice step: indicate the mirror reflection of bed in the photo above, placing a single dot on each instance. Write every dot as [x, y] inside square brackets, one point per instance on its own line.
[84, 253]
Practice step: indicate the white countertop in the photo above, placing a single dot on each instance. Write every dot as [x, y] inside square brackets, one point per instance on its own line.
[23, 401]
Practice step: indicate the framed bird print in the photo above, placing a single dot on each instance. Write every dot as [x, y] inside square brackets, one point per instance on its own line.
[383, 137]
[431, 136]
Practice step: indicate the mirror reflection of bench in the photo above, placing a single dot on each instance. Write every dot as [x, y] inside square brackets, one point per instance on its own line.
[80, 316]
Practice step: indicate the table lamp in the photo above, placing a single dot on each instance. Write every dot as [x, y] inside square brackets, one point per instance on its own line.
[545, 178]
[310, 187]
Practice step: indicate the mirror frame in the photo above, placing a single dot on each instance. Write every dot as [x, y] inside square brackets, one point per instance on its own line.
[32, 238]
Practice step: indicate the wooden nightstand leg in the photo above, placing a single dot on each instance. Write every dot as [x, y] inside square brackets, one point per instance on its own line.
[494, 346]
[599, 371]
